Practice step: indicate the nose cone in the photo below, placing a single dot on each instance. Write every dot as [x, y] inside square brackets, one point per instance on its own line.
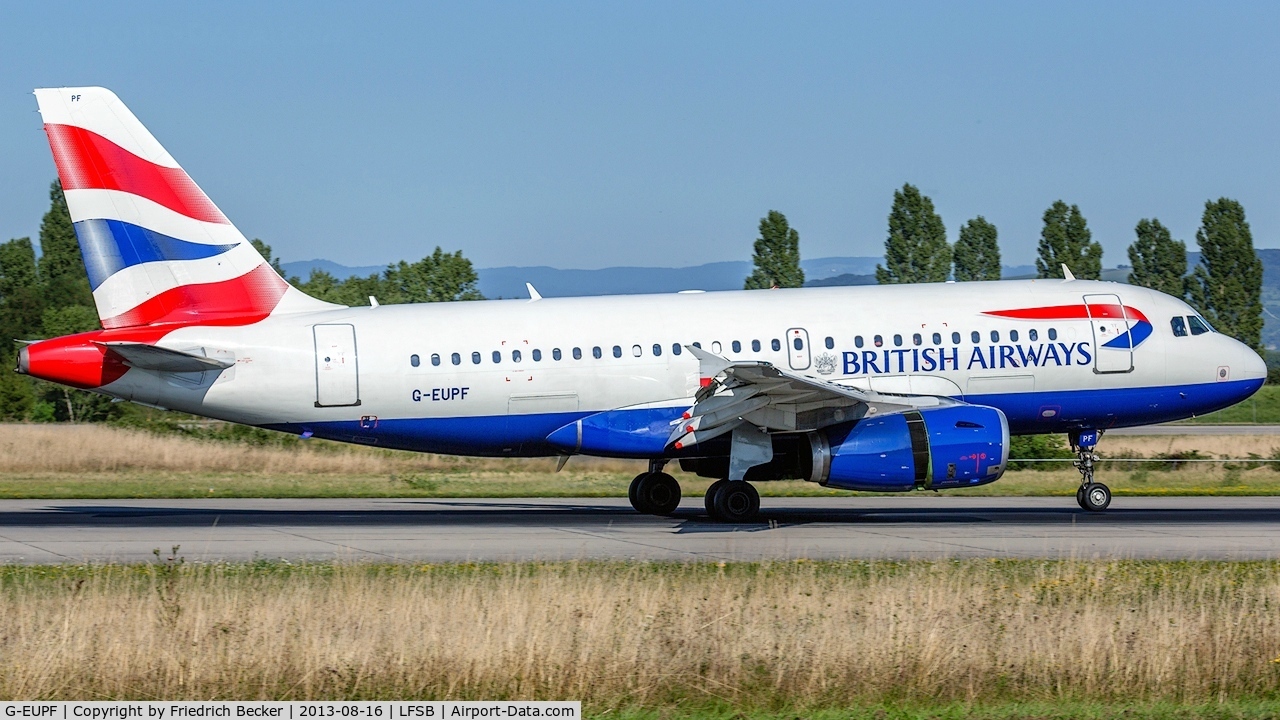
[1252, 366]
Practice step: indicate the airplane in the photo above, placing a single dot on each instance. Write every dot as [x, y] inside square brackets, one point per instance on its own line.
[878, 388]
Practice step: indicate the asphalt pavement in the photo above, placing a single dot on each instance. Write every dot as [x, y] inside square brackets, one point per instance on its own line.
[444, 530]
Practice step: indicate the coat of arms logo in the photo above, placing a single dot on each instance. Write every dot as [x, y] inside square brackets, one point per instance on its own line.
[825, 364]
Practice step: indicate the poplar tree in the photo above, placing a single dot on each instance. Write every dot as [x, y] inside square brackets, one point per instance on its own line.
[777, 255]
[1159, 262]
[1226, 286]
[61, 267]
[916, 249]
[976, 253]
[21, 299]
[1066, 239]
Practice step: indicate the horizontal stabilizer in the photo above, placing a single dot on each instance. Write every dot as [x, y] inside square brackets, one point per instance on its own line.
[150, 357]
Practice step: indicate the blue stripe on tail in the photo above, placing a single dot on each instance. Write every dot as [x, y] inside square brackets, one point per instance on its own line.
[109, 246]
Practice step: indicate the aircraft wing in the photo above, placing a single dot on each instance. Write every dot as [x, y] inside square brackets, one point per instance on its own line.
[737, 393]
[150, 357]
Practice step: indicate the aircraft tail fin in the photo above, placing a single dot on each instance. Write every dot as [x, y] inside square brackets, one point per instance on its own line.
[156, 248]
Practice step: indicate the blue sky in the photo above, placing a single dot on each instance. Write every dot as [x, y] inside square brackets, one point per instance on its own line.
[583, 135]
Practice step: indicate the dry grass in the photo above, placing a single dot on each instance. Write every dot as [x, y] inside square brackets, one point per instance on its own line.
[620, 635]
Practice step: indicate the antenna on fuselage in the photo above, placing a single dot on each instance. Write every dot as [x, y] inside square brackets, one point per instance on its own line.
[533, 293]
[1066, 273]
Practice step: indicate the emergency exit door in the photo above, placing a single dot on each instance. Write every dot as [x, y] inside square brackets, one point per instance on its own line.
[798, 348]
[1112, 344]
[337, 367]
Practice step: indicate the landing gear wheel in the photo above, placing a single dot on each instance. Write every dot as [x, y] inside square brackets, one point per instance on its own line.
[1080, 498]
[634, 497]
[1096, 497]
[657, 492]
[710, 499]
[736, 502]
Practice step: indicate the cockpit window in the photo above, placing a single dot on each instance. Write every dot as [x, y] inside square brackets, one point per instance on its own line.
[1198, 325]
[1179, 325]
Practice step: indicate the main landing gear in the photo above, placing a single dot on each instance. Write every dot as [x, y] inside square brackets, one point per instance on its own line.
[654, 492]
[1091, 496]
[733, 501]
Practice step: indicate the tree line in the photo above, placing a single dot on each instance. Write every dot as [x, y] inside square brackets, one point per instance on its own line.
[1225, 286]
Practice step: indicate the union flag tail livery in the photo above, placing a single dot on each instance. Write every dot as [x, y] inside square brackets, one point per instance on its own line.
[882, 388]
[157, 250]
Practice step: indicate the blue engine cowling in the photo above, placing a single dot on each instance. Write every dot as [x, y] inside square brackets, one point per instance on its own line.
[954, 446]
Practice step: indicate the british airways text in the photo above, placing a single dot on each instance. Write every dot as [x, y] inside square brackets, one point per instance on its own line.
[903, 360]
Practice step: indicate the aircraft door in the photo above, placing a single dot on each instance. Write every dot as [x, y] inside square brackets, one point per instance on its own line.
[337, 368]
[1112, 349]
[798, 348]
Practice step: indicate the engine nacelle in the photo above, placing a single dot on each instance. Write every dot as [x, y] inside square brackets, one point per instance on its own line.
[954, 446]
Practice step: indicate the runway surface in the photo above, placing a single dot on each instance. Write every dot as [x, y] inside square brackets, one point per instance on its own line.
[44, 531]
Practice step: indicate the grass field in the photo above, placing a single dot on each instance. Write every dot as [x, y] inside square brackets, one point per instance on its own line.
[69, 461]
[775, 639]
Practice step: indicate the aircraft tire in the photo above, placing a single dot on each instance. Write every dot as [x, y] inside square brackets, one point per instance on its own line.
[710, 499]
[1080, 498]
[634, 496]
[1096, 497]
[736, 502]
[659, 493]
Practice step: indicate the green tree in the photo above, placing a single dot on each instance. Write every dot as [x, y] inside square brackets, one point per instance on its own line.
[1066, 239]
[1226, 286]
[16, 394]
[21, 298]
[56, 322]
[438, 277]
[976, 253]
[265, 251]
[777, 255]
[61, 267]
[916, 249]
[1159, 262]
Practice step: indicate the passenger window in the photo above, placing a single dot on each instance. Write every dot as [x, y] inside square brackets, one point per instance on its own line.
[897, 341]
[776, 344]
[435, 359]
[755, 346]
[1053, 334]
[878, 341]
[797, 344]
[636, 351]
[830, 343]
[456, 359]
[975, 337]
[414, 361]
[577, 353]
[1033, 335]
[1198, 325]
[955, 338]
[1178, 324]
[697, 345]
[515, 356]
[537, 356]
[475, 358]
[737, 346]
[617, 351]
[916, 339]
[657, 350]
[857, 341]
[1013, 336]
[715, 346]
[555, 353]
[497, 357]
[675, 348]
[995, 336]
[937, 338]
[596, 352]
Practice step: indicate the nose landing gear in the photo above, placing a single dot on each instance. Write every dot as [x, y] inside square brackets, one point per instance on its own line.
[1091, 496]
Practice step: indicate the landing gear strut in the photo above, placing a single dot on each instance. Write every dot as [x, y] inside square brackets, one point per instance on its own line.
[1091, 496]
[654, 492]
[734, 501]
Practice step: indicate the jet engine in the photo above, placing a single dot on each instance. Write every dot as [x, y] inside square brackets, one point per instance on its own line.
[940, 447]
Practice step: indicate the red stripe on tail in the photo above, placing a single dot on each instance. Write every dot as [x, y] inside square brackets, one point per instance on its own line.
[88, 161]
[239, 301]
